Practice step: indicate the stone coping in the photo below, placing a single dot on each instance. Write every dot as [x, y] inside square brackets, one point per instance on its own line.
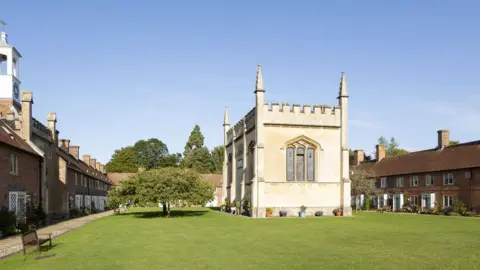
[12, 245]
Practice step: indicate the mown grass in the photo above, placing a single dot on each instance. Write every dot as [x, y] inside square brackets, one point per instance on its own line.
[204, 239]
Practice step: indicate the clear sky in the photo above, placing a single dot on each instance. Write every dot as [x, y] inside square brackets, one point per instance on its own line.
[119, 71]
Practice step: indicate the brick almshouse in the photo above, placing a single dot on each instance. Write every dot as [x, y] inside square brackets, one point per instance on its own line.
[34, 165]
[442, 175]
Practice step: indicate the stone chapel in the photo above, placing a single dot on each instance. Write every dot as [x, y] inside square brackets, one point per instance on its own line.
[283, 157]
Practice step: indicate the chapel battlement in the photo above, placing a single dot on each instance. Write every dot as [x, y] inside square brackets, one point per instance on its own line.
[296, 114]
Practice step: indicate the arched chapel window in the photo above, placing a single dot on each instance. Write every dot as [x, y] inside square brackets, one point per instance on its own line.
[300, 158]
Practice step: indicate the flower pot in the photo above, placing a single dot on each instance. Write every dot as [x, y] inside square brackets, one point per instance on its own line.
[268, 214]
[302, 213]
[283, 213]
[338, 213]
[319, 213]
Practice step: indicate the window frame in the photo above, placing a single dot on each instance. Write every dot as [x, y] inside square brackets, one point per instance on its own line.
[448, 179]
[383, 182]
[291, 168]
[13, 164]
[414, 178]
[429, 180]
[398, 181]
[449, 200]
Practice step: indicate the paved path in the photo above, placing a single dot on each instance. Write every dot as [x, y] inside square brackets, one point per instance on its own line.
[13, 244]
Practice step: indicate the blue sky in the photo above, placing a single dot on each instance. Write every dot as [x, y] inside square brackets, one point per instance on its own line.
[119, 71]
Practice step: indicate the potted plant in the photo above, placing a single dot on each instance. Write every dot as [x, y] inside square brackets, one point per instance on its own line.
[282, 213]
[268, 212]
[233, 207]
[319, 213]
[303, 211]
[337, 211]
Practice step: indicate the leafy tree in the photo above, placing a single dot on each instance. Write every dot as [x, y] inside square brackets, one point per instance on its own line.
[150, 152]
[199, 159]
[123, 160]
[172, 160]
[454, 142]
[196, 140]
[391, 147]
[170, 185]
[361, 182]
[217, 158]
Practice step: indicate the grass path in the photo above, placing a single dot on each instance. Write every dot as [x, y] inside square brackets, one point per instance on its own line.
[204, 239]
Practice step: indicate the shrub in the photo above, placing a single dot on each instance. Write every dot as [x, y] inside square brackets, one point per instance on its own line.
[35, 216]
[7, 222]
[269, 210]
[459, 208]
[303, 208]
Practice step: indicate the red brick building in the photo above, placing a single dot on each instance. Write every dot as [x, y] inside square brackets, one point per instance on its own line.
[438, 176]
[20, 171]
[86, 183]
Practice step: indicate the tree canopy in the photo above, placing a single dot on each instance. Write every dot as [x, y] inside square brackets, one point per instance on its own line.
[123, 160]
[391, 147]
[172, 185]
[196, 155]
[150, 152]
[218, 158]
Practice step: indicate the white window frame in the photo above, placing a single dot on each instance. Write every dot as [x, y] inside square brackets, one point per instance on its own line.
[14, 200]
[468, 174]
[448, 179]
[429, 180]
[13, 164]
[400, 181]
[76, 178]
[414, 181]
[383, 182]
[448, 202]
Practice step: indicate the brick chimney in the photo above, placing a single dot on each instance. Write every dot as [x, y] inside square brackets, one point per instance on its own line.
[380, 152]
[74, 150]
[65, 144]
[52, 126]
[93, 162]
[443, 138]
[358, 157]
[86, 159]
[26, 116]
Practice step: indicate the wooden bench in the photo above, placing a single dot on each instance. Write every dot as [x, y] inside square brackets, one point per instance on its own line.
[31, 239]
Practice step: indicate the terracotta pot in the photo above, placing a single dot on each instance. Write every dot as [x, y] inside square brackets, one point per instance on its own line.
[338, 213]
[268, 214]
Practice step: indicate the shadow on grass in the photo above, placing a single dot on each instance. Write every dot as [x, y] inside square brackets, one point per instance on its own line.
[160, 214]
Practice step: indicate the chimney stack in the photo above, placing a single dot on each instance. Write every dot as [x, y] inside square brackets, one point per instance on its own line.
[98, 166]
[358, 157]
[86, 159]
[102, 168]
[93, 162]
[74, 150]
[443, 138]
[52, 126]
[65, 144]
[380, 153]
[26, 115]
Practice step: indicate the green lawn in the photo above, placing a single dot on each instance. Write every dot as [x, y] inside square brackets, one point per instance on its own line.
[204, 239]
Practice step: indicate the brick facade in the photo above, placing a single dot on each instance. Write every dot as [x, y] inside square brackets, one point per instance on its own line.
[27, 176]
[427, 176]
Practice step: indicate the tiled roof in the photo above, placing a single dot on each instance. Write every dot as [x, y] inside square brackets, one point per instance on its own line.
[216, 179]
[116, 178]
[81, 166]
[460, 156]
[9, 137]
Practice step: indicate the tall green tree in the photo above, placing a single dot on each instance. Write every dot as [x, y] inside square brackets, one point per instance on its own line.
[123, 160]
[391, 147]
[171, 160]
[150, 152]
[196, 155]
[199, 159]
[217, 158]
[196, 140]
